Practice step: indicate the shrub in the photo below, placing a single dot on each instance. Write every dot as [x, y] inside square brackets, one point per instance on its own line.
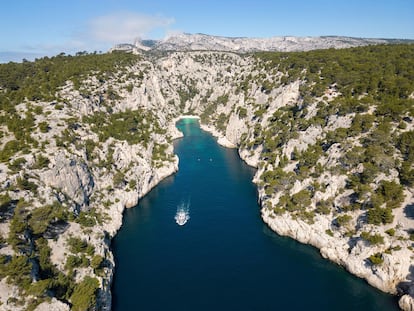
[132, 184]
[301, 199]
[307, 216]
[376, 259]
[96, 261]
[40, 287]
[89, 147]
[47, 269]
[77, 245]
[406, 174]
[392, 193]
[18, 225]
[118, 179]
[372, 238]
[86, 220]
[84, 294]
[41, 162]
[44, 127]
[405, 144]
[129, 87]
[10, 148]
[378, 215]
[390, 232]
[72, 262]
[221, 122]
[242, 112]
[18, 270]
[41, 217]
[369, 173]
[17, 164]
[23, 183]
[278, 211]
[343, 220]
[323, 207]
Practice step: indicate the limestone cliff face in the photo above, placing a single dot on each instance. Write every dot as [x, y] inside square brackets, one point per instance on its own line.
[71, 177]
[246, 114]
[238, 101]
[191, 42]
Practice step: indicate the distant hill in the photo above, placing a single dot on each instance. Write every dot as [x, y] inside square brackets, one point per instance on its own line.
[203, 42]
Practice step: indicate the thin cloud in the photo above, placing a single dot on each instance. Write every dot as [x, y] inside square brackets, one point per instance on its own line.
[125, 27]
[98, 34]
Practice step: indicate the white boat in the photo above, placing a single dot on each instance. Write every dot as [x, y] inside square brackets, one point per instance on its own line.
[182, 215]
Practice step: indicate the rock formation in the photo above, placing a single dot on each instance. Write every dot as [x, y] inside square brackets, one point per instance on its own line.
[238, 99]
[202, 42]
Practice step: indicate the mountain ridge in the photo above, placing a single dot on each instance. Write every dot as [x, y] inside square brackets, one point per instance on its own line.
[204, 42]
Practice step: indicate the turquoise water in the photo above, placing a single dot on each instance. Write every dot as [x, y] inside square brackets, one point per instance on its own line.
[224, 257]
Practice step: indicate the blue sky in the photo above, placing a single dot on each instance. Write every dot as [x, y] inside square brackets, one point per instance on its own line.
[33, 28]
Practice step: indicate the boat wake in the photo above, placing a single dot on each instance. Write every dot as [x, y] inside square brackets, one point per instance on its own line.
[183, 213]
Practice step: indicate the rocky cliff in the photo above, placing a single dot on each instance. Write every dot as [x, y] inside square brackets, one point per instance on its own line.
[332, 165]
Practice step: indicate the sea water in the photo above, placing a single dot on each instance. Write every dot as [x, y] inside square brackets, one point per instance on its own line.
[224, 257]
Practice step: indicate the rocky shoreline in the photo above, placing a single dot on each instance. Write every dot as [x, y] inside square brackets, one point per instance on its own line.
[387, 278]
[238, 98]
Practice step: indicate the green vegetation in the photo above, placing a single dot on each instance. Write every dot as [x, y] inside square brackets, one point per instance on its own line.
[188, 92]
[221, 122]
[378, 215]
[343, 220]
[159, 155]
[86, 219]
[41, 217]
[208, 111]
[17, 164]
[134, 126]
[84, 294]
[118, 179]
[376, 259]
[383, 70]
[390, 232]
[44, 127]
[73, 262]
[23, 183]
[41, 162]
[77, 245]
[17, 268]
[371, 86]
[372, 238]
[40, 80]
[97, 261]
[242, 112]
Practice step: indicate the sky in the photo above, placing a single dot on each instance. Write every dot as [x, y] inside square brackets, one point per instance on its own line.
[35, 28]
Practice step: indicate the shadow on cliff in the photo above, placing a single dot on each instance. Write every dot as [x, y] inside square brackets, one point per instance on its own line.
[404, 287]
[7, 210]
[409, 211]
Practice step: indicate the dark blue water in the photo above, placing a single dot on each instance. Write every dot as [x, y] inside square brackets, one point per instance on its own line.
[224, 257]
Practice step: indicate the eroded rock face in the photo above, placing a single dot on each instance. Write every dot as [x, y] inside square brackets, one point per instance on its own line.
[71, 177]
[406, 303]
[54, 305]
[189, 42]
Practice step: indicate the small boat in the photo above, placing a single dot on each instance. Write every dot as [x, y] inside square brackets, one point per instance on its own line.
[182, 215]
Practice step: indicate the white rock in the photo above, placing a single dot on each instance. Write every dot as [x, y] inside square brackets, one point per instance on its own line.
[53, 305]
